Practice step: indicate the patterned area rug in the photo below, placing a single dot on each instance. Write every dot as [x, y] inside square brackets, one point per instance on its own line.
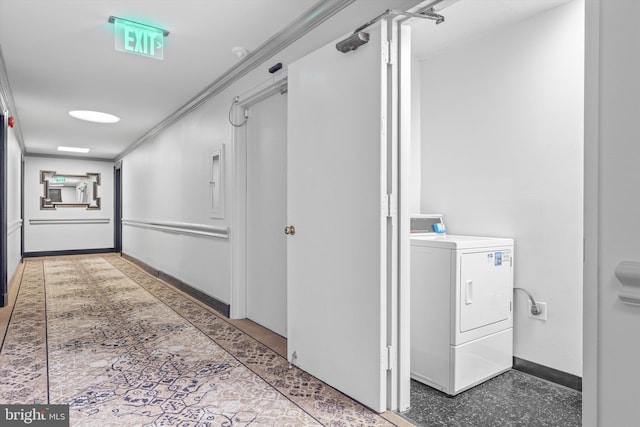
[123, 348]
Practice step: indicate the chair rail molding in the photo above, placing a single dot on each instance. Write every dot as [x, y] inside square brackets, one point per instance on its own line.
[59, 221]
[180, 228]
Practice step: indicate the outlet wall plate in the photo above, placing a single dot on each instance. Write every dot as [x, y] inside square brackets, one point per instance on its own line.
[543, 309]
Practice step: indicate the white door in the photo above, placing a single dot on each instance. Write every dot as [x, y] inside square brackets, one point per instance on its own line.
[337, 182]
[612, 209]
[267, 213]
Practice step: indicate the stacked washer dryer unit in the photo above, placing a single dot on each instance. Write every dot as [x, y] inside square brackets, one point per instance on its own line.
[461, 307]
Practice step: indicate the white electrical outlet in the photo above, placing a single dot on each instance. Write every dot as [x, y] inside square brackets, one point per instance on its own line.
[543, 310]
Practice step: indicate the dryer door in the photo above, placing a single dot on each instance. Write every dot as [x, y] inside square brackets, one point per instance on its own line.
[485, 288]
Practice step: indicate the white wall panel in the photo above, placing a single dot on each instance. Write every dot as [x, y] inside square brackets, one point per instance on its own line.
[60, 237]
[167, 179]
[14, 170]
[502, 155]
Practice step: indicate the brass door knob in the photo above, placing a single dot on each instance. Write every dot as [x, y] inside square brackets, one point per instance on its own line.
[290, 229]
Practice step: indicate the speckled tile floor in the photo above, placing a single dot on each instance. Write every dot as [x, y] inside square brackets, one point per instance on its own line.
[511, 399]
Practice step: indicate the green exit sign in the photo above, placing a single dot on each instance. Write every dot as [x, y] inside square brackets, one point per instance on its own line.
[61, 179]
[138, 39]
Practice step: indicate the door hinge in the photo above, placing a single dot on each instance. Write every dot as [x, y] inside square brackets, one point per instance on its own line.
[388, 205]
[385, 52]
[393, 52]
[389, 52]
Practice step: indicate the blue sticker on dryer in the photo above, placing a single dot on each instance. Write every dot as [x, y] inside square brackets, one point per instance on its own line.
[498, 259]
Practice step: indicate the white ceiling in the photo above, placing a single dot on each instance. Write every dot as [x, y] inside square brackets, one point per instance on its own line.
[60, 56]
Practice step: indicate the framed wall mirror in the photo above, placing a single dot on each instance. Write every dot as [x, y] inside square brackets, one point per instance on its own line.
[67, 190]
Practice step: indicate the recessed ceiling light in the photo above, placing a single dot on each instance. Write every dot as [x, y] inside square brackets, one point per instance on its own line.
[94, 116]
[73, 149]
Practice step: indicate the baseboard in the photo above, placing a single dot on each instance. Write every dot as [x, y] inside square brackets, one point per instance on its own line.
[219, 306]
[68, 252]
[547, 373]
[146, 267]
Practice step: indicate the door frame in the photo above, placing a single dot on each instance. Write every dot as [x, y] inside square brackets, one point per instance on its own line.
[403, 364]
[590, 288]
[4, 285]
[117, 207]
[22, 181]
[239, 219]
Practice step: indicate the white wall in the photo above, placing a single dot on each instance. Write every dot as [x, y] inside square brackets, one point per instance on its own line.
[60, 237]
[613, 236]
[14, 235]
[175, 162]
[167, 180]
[502, 155]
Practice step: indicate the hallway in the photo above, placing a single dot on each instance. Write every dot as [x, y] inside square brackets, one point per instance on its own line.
[59, 56]
[125, 349]
[172, 188]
